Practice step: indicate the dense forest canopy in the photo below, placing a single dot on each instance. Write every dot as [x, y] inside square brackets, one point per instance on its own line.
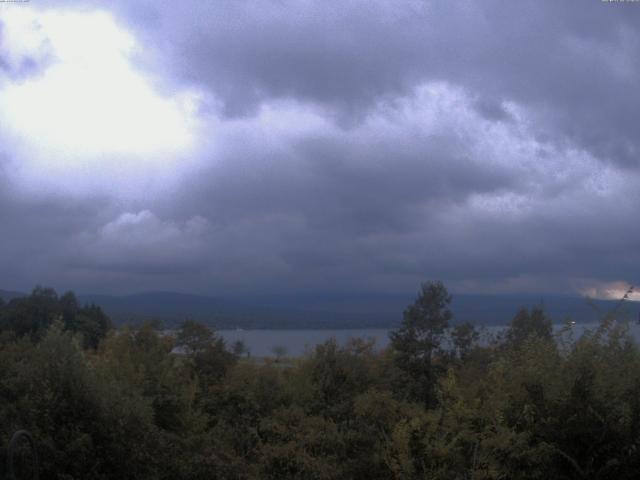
[439, 404]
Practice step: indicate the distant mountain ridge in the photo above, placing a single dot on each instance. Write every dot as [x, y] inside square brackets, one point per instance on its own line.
[7, 295]
[339, 310]
[317, 311]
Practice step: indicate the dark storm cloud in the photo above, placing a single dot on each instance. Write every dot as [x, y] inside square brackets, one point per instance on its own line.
[370, 145]
[575, 64]
[372, 205]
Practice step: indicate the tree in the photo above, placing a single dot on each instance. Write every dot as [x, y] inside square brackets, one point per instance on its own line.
[90, 321]
[280, 351]
[84, 424]
[69, 307]
[206, 350]
[464, 336]
[194, 337]
[31, 316]
[525, 324]
[338, 374]
[93, 324]
[419, 338]
[239, 348]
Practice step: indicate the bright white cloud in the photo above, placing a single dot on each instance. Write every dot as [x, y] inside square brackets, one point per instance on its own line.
[144, 228]
[87, 111]
[611, 290]
[141, 240]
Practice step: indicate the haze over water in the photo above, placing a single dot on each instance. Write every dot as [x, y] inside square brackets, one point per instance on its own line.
[261, 343]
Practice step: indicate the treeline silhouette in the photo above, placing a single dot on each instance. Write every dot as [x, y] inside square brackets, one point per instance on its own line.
[439, 403]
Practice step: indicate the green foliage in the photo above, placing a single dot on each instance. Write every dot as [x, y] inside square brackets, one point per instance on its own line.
[337, 375]
[419, 338]
[194, 337]
[138, 403]
[206, 352]
[239, 348]
[83, 428]
[31, 316]
[526, 324]
[299, 446]
[464, 338]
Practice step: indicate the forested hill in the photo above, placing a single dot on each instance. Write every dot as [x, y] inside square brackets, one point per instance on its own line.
[336, 311]
[331, 310]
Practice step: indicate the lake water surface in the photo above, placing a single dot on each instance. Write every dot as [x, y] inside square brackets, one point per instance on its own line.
[298, 342]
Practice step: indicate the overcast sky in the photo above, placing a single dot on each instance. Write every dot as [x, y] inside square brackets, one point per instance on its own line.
[232, 147]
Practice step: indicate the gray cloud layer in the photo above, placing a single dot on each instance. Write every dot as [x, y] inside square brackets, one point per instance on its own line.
[364, 146]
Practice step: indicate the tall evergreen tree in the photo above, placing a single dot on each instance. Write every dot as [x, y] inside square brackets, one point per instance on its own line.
[419, 337]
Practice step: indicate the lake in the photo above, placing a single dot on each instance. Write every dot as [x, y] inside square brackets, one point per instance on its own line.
[298, 342]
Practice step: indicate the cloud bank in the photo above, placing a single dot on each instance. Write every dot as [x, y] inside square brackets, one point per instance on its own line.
[320, 146]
